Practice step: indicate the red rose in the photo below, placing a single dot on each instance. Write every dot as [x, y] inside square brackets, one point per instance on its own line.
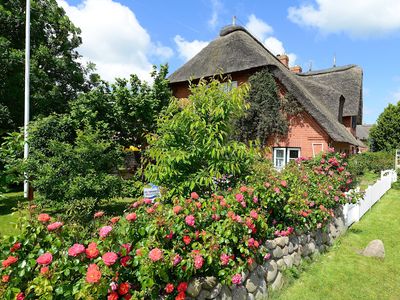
[93, 274]
[45, 259]
[123, 288]
[44, 270]
[124, 260]
[187, 239]
[114, 220]
[9, 261]
[92, 251]
[15, 247]
[44, 218]
[182, 287]
[20, 296]
[181, 296]
[109, 258]
[113, 296]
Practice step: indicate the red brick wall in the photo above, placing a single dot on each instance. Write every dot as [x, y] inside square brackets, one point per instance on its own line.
[304, 131]
[347, 123]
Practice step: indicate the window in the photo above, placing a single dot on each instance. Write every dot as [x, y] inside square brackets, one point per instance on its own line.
[282, 156]
[354, 122]
[279, 157]
[228, 86]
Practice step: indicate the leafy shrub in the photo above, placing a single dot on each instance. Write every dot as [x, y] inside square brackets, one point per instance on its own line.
[65, 172]
[155, 248]
[374, 162]
[193, 148]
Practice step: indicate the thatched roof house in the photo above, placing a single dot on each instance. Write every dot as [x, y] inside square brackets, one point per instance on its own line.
[332, 98]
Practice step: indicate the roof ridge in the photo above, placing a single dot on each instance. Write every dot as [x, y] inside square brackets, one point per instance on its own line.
[328, 70]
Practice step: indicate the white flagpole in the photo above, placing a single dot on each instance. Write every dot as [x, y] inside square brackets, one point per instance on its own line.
[27, 69]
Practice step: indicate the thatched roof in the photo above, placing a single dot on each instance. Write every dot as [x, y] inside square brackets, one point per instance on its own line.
[237, 50]
[362, 131]
[346, 80]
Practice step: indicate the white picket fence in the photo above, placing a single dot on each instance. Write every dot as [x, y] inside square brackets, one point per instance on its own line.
[354, 212]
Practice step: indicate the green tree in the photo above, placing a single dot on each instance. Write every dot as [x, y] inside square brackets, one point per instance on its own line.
[385, 134]
[56, 75]
[193, 148]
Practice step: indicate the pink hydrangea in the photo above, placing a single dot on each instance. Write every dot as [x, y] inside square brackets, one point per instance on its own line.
[198, 261]
[76, 249]
[237, 279]
[109, 258]
[155, 254]
[104, 231]
[190, 220]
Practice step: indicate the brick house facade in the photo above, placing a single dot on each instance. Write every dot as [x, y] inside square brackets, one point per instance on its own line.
[332, 99]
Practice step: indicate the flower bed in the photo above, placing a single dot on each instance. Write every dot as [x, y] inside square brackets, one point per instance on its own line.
[155, 249]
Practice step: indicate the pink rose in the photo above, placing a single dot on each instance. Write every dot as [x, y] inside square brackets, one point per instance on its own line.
[109, 258]
[155, 254]
[104, 231]
[254, 214]
[198, 261]
[190, 220]
[147, 201]
[239, 197]
[45, 259]
[237, 279]
[177, 259]
[224, 259]
[177, 209]
[99, 214]
[44, 218]
[54, 226]
[267, 256]
[284, 183]
[76, 249]
[194, 196]
[131, 217]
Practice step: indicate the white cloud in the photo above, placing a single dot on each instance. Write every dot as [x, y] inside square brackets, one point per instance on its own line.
[216, 8]
[358, 18]
[276, 47]
[113, 39]
[263, 32]
[258, 27]
[188, 49]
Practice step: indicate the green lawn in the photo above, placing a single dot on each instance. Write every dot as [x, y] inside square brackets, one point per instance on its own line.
[9, 213]
[343, 274]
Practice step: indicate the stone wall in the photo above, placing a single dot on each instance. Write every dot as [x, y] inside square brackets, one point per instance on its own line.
[286, 252]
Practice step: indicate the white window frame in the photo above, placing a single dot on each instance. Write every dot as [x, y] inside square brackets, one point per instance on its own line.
[288, 153]
[275, 157]
[286, 156]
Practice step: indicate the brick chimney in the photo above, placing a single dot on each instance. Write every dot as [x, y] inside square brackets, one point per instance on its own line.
[284, 59]
[296, 69]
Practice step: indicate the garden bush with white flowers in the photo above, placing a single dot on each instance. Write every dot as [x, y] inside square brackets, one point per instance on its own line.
[155, 248]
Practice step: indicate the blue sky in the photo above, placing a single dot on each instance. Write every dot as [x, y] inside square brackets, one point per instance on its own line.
[128, 36]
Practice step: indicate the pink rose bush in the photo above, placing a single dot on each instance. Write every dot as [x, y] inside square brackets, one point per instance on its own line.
[156, 247]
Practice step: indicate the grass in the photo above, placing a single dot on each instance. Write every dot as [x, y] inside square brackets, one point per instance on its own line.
[9, 213]
[367, 179]
[343, 274]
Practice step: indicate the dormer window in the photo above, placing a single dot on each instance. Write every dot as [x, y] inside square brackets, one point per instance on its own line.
[340, 112]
